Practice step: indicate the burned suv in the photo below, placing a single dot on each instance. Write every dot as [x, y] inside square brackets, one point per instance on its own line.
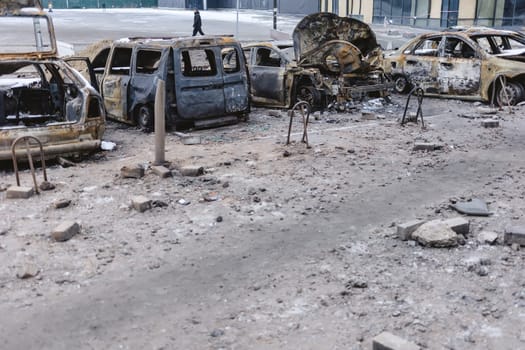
[202, 87]
[465, 63]
[41, 95]
[333, 60]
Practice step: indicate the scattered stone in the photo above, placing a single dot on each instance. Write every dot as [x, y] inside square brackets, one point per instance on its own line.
[191, 140]
[435, 234]
[46, 186]
[286, 154]
[217, 333]
[515, 234]
[159, 204]
[475, 207]
[486, 110]
[515, 246]
[135, 172]
[459, 225]
[141, 203]
[192, 170]
[274, 113]
[426, 146]
[17, 192]
[211, 197]
[405, 230]
[65, 231]
[182, 201]
[62, 203]
[368, 115]
[27, 270]
[161, 171]
[487, 237]
[469, 116]
[482, 271]
[219, 218]
[388, 341]
[357, 284]
[490, 123]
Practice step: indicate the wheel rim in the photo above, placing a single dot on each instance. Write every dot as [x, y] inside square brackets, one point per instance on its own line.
[514, 93]
[305, 94]
[401, 84]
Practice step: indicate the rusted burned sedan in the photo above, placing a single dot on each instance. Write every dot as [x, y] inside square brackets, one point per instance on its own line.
[40, 94]
[333, 59]
[206, 80]
[472, 63]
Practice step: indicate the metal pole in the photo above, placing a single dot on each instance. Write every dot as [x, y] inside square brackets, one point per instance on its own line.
[237, 23]
[160, 128]
[274, 14]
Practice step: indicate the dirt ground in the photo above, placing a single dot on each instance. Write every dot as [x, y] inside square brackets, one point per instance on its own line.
[276, 246]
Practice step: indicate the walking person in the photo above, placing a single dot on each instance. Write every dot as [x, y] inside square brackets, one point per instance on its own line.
[197, 23]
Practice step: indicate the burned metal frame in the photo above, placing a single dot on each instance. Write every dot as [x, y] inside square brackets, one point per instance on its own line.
[30, 159]
[420, 94]
[304, 108]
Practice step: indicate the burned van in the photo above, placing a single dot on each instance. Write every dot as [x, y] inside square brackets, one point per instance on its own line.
[41, 95]
[206, 80]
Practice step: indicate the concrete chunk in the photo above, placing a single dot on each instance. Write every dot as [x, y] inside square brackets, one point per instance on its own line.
[17, 192]
[515, 235]
[404, 230]
[191, 170]
[490, 123]
[487, 237]
[161, 171]
[435, 234]
[426, 146]
[141, 203]
[459, 225]
[65, 231]
[135, 172]
[388, 341]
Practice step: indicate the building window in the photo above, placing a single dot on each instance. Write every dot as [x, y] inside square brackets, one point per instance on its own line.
[449, 13]
[514, 13]
[395, 11]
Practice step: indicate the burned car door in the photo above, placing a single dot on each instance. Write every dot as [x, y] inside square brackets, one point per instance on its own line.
[199, 83]
[459, 68]
[83, 66]
[235, 82]
[115, 83]
[267, 76]
[420, 64]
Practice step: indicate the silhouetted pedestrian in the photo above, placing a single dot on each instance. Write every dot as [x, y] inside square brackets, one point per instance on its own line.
[197, 23]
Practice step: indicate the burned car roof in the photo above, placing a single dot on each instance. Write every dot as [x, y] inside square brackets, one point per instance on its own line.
[182, 42]
[35, 34]
[321, 35]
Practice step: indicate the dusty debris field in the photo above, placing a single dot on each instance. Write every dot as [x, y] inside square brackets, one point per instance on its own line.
[275, 246]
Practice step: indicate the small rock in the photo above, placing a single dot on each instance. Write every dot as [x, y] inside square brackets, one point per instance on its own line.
[141, 203]
[388, 341]
[486, 110]
[217, 333]
[426, 146]
[490, 123]
[65, 231]
[61, 203]
[274, 113]
[286, 154]
[459, 225]
[219, 219]
[46, 186]
[515, 234]
[482, 271]
[135, 172]
[161, 171]
[191, 140]
[515, 246]
[108, 145]
[192, 170]
[211, 197]
[368, 115]
[159, 204]
[487, 237]
[435, 234]
[27, 270]
[65, 163]
[182, 201]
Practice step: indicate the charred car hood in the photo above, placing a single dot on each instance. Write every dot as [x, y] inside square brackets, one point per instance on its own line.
[335, 44]
[35, 35]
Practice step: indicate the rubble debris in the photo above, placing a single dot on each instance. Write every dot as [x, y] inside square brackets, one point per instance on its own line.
[108, 145]
[365, 115]
[211, 197]
[141, 203]
[515, 235]
[65, 231]
[474, 207]
[161, 171]
[389, 341]
[183, 201]
[191, 140]
[135, 172]
[274, 113]
[487, 237]
[486, 110]
[65, 163]
[191, 170]
[46, 186]
[405, 230]
[459, 225]
[27, 270]
[490, 123]
[435, 234]
[426, 146]
[61, 203]
[20, 192]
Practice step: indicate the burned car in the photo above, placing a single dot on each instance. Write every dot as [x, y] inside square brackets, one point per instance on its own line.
[333, 59]
[472, 63]
[41, 95]
[203, 88]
